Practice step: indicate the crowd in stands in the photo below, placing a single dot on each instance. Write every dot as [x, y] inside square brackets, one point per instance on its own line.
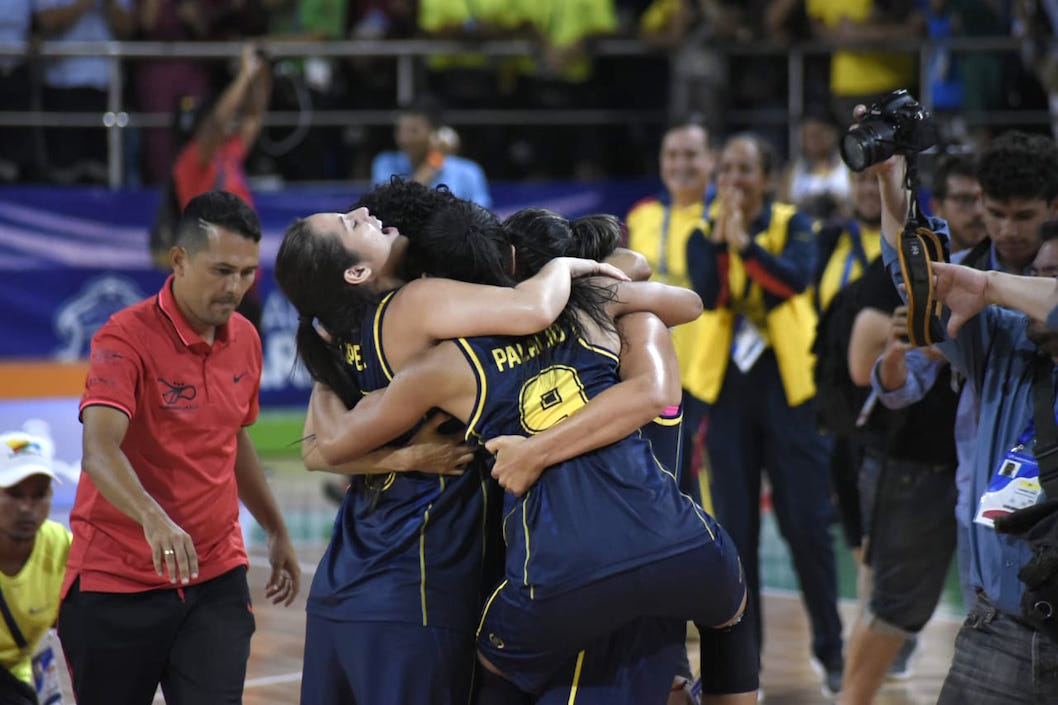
[707, 59]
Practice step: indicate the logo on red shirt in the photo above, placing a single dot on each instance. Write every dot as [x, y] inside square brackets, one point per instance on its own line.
[176, 391]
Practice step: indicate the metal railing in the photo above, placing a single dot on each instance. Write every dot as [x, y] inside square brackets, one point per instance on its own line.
[409, 54]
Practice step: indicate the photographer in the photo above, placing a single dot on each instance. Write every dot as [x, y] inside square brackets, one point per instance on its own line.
[1000, 655]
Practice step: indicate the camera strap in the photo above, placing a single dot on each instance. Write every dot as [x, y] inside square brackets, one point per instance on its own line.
[12, 625]
[919, 248]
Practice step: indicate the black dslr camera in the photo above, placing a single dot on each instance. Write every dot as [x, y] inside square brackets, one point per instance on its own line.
[897, 124]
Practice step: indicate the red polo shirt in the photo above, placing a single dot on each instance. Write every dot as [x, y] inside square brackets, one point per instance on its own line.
[186, 401]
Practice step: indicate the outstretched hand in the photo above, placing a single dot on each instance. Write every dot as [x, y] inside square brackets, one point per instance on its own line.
[962, 289]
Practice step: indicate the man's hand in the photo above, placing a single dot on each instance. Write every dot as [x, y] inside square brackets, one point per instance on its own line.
[172, 549]
[962, 289]
[285, 580]
[437, 452]
[250, 61]
[517, 467]
[898, 341]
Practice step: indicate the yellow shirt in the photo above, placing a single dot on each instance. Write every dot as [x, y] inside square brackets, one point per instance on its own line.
[834, 277]
[33, 596]
[860, 73]
[440, 15]
[564, 23]
[659, 15]
[665, 249]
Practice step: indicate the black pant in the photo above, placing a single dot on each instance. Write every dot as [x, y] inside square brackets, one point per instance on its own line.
[194, 641]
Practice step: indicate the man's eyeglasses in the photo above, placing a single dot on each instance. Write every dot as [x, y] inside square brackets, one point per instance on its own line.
[963, 200]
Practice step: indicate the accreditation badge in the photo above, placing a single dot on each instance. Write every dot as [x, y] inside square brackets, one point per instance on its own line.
[1015, 485]
[747, 346]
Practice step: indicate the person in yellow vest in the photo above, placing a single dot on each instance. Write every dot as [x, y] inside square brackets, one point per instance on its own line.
[752, 263]
[658, 229]
[856, 75]
[33, 552]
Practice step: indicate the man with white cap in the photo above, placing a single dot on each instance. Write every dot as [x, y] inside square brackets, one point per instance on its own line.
[33, 551]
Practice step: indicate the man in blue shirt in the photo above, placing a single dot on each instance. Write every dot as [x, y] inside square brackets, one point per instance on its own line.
[998, 657]
[419, 158]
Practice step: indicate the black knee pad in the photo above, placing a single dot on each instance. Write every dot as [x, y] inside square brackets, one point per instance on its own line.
[730, 658]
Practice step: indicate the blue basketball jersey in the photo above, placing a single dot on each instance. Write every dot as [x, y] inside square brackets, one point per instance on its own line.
[663, 434]
[606, 511]
[407, 547]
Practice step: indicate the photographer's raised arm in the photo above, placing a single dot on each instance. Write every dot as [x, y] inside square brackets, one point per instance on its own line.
[895, 197]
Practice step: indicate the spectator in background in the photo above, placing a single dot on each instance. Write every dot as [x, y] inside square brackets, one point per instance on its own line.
[861, 76]
[759, 81]
[957, 198]
[696, 71]
[224, 134]
[79, 83]
[306, 85]
[752, 264]
[163, 82]
[215, 157]
[18, 158]
[33, 551]
[563, 78]
[659, 228]
[419, 159]
[817, 180]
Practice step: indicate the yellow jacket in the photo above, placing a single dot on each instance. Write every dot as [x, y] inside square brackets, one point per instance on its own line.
[789, 327]
[660, 233]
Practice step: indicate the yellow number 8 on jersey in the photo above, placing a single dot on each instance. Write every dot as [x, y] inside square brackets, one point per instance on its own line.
[549, 397]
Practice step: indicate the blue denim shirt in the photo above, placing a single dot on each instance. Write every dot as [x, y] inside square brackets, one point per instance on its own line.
[1052, 318]
[463, 177]
[994, 354]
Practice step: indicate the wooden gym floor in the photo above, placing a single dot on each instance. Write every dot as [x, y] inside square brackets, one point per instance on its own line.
[274, 672]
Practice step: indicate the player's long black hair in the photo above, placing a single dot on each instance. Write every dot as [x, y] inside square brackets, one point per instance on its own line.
[310, 272]
[448, 237]
[539, 235]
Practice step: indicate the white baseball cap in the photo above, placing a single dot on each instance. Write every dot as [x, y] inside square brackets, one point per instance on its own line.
[23, 455]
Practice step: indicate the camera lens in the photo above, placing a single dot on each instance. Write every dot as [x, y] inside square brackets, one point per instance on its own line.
[855, 153]
[868, 143]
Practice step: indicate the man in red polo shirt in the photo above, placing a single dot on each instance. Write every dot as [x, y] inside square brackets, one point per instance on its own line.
[155, 589]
